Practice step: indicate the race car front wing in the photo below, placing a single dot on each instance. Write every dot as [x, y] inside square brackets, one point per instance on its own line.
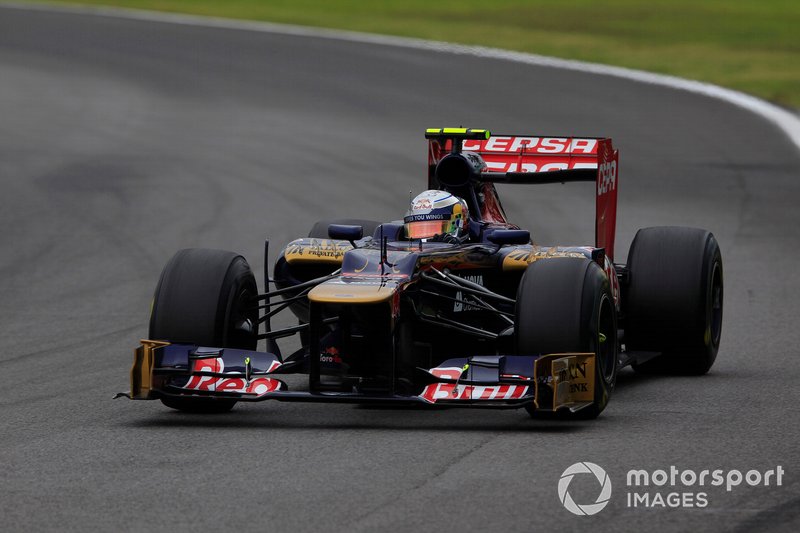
[549, 382]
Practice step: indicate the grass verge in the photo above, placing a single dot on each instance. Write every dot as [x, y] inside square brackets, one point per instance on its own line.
[749, 45]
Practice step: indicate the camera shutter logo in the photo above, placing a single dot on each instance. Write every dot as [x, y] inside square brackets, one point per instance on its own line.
[586, 509]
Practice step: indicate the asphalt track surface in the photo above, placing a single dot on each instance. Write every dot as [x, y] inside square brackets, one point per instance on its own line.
[123, 141]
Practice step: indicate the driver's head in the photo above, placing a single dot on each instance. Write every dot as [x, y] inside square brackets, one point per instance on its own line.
[436, 214]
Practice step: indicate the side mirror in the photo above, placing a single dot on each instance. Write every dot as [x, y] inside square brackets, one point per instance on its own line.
[510, 236]
[343, 232]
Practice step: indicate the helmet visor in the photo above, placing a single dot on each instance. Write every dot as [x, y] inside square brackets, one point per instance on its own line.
[425, 229]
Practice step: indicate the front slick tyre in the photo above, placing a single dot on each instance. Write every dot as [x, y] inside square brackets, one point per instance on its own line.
[205, 297]
[565, 305]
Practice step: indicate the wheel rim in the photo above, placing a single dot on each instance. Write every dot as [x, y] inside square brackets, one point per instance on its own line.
[605, 344]
[242, 311]
[716, 305]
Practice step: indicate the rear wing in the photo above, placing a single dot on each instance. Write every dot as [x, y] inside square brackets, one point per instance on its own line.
[534, 160]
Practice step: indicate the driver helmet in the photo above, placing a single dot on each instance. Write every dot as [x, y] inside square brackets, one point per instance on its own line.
[436, 214]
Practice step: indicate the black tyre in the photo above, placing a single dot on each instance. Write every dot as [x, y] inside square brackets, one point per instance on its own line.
[565, 305]
[320, 228]
[204, 297]
[674, 301]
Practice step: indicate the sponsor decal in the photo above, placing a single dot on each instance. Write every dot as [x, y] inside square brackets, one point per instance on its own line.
[533, 145]
[521, 257]
[508, 166]
[607, 177]
[424, 217]
[330, 355]
[570, 379]
[576, 373]
[537, 154]
[458, 306]
[258, 386]
[327, 248]
[422, 203]
[466, 302]
[294, 248]
[316, 249]
[452, 391]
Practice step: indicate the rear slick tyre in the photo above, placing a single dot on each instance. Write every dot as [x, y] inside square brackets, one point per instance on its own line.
[674, 300]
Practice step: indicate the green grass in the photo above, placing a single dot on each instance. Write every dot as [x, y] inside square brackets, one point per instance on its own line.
[749, 45]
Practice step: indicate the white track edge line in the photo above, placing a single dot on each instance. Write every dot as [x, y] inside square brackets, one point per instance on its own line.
[787, 121]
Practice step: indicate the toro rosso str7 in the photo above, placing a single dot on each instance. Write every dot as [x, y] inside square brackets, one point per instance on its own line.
[451, 306]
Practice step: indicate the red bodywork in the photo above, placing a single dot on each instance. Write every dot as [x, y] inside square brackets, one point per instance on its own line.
[517, 153]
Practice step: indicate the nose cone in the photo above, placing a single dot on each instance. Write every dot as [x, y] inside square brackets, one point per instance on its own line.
[353, 291]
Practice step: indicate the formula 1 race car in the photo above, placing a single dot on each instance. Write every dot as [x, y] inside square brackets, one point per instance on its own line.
[451, 306]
